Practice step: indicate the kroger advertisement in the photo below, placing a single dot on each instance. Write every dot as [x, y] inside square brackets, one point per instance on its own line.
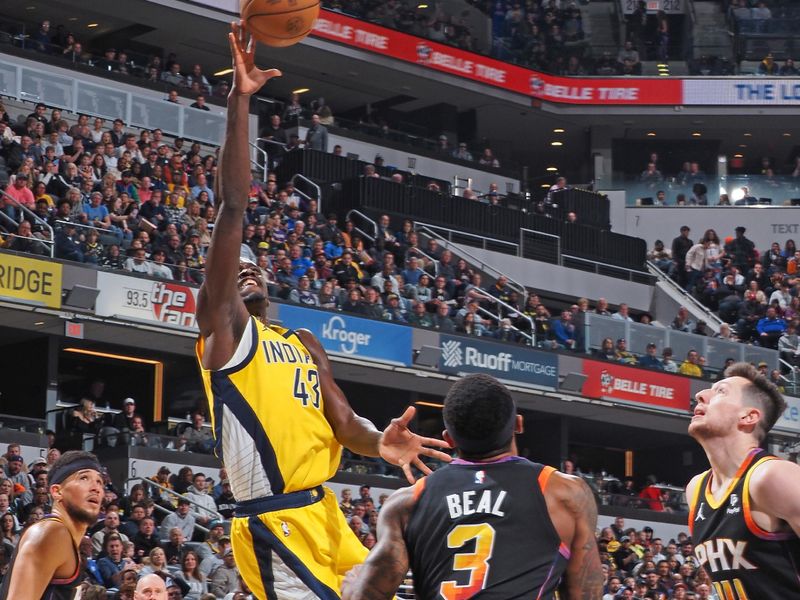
[504, 361]
[641, 386]
[346, 335]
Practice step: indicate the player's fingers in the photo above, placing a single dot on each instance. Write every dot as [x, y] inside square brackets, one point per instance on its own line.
[234, 45]
[404, 419]
[407, 471]
[436, 454]
[422, 466]
[270, 73]
[251, 44]
[434, 442]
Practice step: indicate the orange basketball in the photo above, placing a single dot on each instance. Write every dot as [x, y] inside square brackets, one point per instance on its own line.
[279, 22]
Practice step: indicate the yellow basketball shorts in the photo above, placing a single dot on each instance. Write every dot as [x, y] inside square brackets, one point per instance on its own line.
[294, 546]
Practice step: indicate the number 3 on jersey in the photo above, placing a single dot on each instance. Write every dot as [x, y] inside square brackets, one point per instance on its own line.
[477, 562]
[312, 379]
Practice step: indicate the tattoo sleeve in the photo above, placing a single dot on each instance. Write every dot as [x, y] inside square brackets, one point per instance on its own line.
[387, 564]
[584, 576]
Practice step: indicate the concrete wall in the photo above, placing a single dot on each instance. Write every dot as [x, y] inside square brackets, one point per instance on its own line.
[561, 280]
[765, 224]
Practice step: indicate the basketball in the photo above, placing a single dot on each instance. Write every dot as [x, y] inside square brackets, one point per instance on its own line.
[279, 23]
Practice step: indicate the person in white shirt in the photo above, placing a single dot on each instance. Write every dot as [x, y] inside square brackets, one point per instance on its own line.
[198, 494]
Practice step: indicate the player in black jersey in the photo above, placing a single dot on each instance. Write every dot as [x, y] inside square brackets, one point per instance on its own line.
[490, 525]
[744, 513]
[46, 563]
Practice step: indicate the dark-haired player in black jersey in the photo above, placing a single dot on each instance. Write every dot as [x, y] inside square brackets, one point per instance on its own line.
[46, 564]
[744, 513]
[490, 525]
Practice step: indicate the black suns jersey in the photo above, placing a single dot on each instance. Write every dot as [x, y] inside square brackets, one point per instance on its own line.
[744, 561]
[482, 530]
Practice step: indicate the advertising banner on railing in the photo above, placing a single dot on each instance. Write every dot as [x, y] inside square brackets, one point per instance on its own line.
[504, 361]
[346, 335]
[31, 280]
[728, 91]
[141, 299]
[642, 386]
[790, 419]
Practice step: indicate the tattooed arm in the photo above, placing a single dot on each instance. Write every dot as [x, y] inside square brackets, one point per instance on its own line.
[387, 564]
[572, 508]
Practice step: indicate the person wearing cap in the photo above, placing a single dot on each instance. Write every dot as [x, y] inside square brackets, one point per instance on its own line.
[124, 420]
[46, 562]
[622, 355]
[224, 579]
[182, 519]
[226, 503]
[650, 360]
[281, 414]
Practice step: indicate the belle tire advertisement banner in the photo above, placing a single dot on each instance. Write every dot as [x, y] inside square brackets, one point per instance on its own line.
[610, 381]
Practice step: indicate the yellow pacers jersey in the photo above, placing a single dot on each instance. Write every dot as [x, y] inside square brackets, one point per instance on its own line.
[266, 409]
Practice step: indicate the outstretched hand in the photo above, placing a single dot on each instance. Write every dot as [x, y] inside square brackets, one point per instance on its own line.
[247, 78]
[401, 447]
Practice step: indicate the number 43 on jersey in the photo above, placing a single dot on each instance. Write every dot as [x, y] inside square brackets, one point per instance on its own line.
[306, 387]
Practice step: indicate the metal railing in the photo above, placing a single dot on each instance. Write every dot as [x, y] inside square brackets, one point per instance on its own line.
[476, 262]
[530, 337]
[484, 242]
[349, 217]
[527, 247]
[63, 89]
[711, 318]
[167, 490]
[306, 180]
[573, 262]
[254, 161]
[36, 219]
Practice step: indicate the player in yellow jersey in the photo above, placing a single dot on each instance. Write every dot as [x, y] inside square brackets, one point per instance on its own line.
[279, 418]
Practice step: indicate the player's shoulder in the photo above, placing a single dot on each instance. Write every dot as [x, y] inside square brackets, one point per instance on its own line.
[562, 485]
[45, 535]
[772, 475]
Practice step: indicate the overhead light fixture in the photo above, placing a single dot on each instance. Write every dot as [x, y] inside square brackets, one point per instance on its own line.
[559, 130]
[552, 169]
[30, 8]
[651, 134]
[92, 25]
[422, 6]
[663, 74]
[696, 134]
[787, 134]
[301, 90]
[39, 323]
[742, 145]
[748, 135]
[223, 72]
[556, 143]
[738, 156]
[72, 19]
[662, 65]
[545, 185]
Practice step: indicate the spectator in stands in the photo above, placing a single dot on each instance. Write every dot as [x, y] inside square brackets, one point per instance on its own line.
[198, 437]
[628, 61]
[788, 69]
[225, 578]
[145, 540]
[691, 366]
[190, 573]
[622, 355]
[461, 152]
[564, 331]
[682, 321]
[112, 565]
[204, 507]
[741, 251]
[317, 135]
[680, 247]
[182, 519]
[650, 360]
[770, 329]
[622, 314]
